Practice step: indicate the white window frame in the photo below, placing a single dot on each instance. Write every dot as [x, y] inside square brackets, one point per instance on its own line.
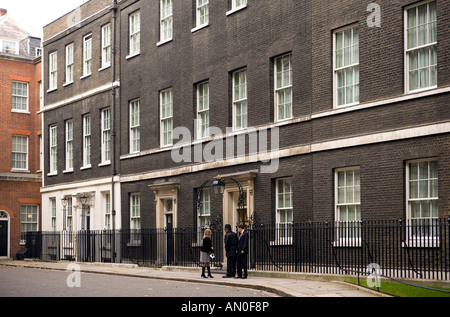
[237, 5]
[203, 110]
[108, 213]
[87, 141]
[69, 217]
[106, 45]
[166, 21]
[239, 101]
[423, 240]
[283, 87]
[9, 50]
[69, 146]
[353, 66]
[22, 144]
[135, 126]
[204, 212]
[54, 212]
[202, 13]
[350, 233]
[69, 63]
[87, 55]
[284, 226]
[135, 34]
[429, 46]
[135, 218]
[16, 96]
[106, 136]
[53, 146]
[166, 117]
[29, 219]
[53, 71]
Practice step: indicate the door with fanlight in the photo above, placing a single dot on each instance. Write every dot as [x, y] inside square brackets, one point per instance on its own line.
[4, 233]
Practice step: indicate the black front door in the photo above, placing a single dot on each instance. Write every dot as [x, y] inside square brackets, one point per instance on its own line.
[169, 239]
[3, 238]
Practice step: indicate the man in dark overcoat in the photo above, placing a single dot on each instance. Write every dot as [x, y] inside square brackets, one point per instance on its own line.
[231, 242]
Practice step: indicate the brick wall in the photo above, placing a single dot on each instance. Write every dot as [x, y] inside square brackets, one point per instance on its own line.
[24, 187]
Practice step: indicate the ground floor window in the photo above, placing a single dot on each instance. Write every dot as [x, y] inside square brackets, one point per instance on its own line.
[284, 208]
[28, 220]
[348, 202]
[422, 189]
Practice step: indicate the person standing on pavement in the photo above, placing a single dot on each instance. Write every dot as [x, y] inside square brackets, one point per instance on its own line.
[205, 252]
[231, 241]
[242, 252]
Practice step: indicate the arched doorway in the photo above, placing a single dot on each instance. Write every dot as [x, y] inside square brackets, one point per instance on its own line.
[4, 234]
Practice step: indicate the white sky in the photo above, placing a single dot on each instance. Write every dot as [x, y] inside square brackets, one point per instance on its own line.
[33, 15]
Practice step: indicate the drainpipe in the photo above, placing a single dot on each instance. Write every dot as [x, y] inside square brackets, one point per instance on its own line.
[114, 8]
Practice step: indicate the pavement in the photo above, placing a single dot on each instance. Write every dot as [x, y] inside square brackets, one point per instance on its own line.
[281, 284]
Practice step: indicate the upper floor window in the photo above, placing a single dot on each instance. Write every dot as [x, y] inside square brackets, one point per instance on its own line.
[421, 46]
[106, 136]
[106, 46]
[19, 152]
[69, 63]
[166, 20]
[69, 145]
[236, 4]
[166, 100]
[283, 87]
[53, 70]
[87, 141]
[9, 47]
[135, 127]
[53, 141]
[202, 12]
[20, 96]
[203, 110]
[240, 100]
[346, 66]
[135, 33]
[87, 55]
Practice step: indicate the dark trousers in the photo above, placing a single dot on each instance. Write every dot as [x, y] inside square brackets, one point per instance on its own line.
[242, 264]
[231, 266]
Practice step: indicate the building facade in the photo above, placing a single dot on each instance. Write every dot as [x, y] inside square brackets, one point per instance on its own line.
[20, 135]
[80, 187]
[309, 112]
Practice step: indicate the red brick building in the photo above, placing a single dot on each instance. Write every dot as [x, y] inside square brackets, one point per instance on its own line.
[20, 135]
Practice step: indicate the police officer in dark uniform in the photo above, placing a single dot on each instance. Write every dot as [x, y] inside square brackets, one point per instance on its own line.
[231, 242]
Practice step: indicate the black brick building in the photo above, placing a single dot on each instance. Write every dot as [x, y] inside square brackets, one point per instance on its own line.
[354, 114]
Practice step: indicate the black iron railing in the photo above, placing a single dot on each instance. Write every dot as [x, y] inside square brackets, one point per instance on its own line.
[400, 249]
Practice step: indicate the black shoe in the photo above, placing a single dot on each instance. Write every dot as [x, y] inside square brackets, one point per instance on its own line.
[209, 275]
[244, 277]
[204, 276]
[237, 277]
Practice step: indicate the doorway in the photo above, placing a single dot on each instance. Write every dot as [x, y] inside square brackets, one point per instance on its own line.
[4, 234]
[169, 230]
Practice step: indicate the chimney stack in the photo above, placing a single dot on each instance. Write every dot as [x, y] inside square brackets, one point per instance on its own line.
[3, 12]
